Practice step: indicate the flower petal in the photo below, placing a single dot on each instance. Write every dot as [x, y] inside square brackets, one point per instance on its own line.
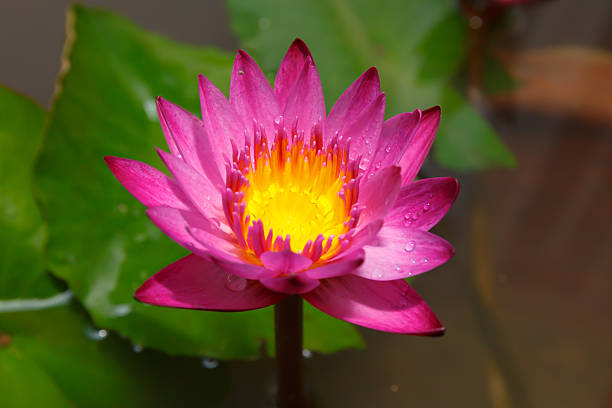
[339, 267]
[387, 306]
[305, 101]
[188, 140]
[203, 195]
[150, 186]
[419, 144]
[251, 95]
[285, 261]
[221, 121]
[401, 252]
[175, 223]
[420, 205]
[394, 139]
[289, 70]
[352, 102]
[291, 284]
[364, 132]
[196, 283]
[379, 193]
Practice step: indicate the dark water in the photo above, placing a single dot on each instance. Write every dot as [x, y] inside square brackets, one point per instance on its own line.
[527, 301]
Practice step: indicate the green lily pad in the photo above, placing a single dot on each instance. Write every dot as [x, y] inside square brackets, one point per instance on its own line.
[417, 45]
[22, 231]
[100, 240]
[49, 358]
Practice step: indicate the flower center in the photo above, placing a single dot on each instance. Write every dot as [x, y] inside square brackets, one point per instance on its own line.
[295, 195]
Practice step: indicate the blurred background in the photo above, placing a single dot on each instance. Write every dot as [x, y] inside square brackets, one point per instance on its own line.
[527, 299]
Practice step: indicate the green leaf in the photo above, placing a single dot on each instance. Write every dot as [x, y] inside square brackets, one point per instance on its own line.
[47, 359]
[22, 231]
[101, 242]
[417, 46]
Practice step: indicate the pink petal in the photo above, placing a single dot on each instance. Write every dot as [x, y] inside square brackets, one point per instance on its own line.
[175, 223]
[203, 195]
[401, 252]
[251, 94]
[394, 137]
[289, 71]
[420, 205]
[365, 130]
[387, 306]
[291, 284]
[364, 236]
[339, 267]
[196, 283]
[221, 121]
[379, 193]
[305, 101]
[285, 261]
[149, 185]
[419, 144]
[188, 140]
[352, 102]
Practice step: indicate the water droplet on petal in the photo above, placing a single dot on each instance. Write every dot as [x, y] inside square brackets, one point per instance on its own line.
[410, 246]
[425, 260]
[378, 165]
[235, 283]
[240, 72]
[388, 149]
[180, 156]
[427, 207]
[209, 363]
[413, 261]
[379, 276]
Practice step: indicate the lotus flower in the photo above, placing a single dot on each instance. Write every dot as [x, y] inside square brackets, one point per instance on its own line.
[274, 197]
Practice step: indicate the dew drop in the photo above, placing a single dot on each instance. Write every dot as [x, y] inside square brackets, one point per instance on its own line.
[398, 269]
[413, 261]
[96, 335]
[410, 246]
[240, 72]
[306, 353]
[425, 260]
[388, 149]
[209, 363]
[378, 165]
[137, 348]
[379, 276]
[180, 156]
[235, 283]
[427, 207]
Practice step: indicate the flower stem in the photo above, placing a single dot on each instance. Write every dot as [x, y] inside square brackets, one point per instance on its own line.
[288, 336]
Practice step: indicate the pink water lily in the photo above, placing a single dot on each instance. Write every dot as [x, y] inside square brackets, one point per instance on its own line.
[275, 197]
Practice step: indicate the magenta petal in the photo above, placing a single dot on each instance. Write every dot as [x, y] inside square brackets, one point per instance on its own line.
[196, 283]
[251, 94]
[379, 193]
[188, 140]
[291, 284]
[305, 101]
[149, 185]
[203, 195]
[394, 139]
[352, 102]
[221, 121]
[419, 144]
[402, 252]
[339, 267]
[365, 130]
[387, 306]
[289, 70]
[175, 223]
[285, 261]
[420, 205]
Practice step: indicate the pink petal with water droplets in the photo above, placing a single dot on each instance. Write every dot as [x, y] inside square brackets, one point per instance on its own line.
[401, 252]
[420, 205]
[387, 306]
[379, 193]
[289, 70]
[175, 223]
[188, 140]
[221, 121]
[365, 130]
[352, 102]
[339, 267]
[394, 137]
[305, 101]
[150, 186]
[196, 283]
[285, 261]
[203, 195]
[419, 144]
[251, 95]
[291, 284]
